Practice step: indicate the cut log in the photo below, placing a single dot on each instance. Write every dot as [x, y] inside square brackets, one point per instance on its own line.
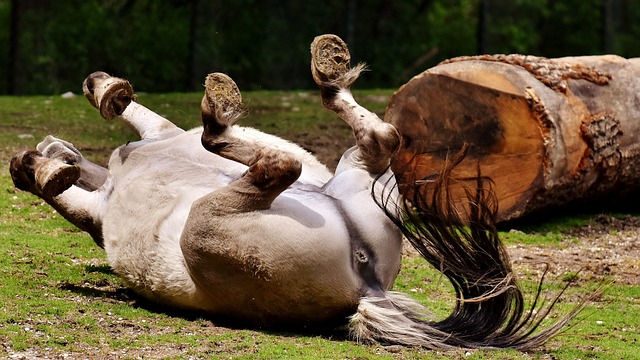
[546, 131]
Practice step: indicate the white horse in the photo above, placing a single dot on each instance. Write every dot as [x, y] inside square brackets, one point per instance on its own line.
[250, 227]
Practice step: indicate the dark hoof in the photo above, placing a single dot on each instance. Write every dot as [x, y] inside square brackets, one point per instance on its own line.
[108, 94]
[89, 86]
[32, 172]
[22, 170]
[54, 177]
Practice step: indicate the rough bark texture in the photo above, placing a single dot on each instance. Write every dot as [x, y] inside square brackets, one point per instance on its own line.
[546, 131]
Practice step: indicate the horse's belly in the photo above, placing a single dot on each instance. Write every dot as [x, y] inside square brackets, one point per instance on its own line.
[142, 229]
[297, 259]
[291, 263]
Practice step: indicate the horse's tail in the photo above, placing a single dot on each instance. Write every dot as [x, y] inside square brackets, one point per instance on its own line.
[490, 310]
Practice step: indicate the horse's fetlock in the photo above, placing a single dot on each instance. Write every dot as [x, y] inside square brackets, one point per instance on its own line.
[213, 143]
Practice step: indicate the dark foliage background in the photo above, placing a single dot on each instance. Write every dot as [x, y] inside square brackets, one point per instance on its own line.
[49, 47]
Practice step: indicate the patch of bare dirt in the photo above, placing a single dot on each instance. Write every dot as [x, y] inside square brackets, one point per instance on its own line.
[605, 248]
[327, 147]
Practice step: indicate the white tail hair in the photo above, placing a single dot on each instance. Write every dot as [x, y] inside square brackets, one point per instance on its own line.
[404, 322]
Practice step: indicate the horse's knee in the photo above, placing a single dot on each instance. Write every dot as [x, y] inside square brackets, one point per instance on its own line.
[274, 170]
[374, 149]
[377, 146]
[267, 177]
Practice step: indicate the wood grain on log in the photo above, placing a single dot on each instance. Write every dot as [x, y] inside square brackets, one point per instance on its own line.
[546, 131]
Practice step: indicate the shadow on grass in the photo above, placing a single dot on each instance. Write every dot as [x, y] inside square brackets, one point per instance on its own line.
[92, 290]
[111, 291]
[103, 269]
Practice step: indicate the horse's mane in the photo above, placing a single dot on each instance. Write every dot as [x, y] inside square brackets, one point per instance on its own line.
[464, 245]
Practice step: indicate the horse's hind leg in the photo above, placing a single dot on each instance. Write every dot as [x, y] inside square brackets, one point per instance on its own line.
[376, 140]
[213, 241]
[114, 97]
[271, 170]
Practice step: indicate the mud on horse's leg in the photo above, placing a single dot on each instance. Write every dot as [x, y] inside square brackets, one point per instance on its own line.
[376, 140]
[271, 170]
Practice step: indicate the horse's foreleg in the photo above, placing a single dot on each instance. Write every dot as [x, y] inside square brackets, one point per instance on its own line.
[271, 170]
[376, 140]
[114, 97]
[52, 180]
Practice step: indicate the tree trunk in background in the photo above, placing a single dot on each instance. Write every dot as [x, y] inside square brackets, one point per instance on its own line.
[546, 131]
[482, 31]
[194, 58]
[14, 48]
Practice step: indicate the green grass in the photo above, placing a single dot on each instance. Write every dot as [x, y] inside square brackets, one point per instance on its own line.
[58, 296]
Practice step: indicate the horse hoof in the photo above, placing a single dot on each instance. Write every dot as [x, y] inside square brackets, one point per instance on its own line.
[108, 94]
[89, 85]
[54, 177]
[22, 171]
[222, 102]
[330, 60]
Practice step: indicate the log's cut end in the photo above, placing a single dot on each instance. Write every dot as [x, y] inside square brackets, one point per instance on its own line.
[547, 132]
[438, 112]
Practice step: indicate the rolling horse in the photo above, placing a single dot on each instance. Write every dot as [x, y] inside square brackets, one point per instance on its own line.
[247, 226]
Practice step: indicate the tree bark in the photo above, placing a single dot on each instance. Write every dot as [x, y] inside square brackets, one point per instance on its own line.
[14, 48]
[546, 131]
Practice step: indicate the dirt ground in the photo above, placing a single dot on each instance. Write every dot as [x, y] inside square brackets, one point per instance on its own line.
[606, 247]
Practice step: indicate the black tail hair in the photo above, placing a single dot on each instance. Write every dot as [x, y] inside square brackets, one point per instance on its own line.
[490, 309]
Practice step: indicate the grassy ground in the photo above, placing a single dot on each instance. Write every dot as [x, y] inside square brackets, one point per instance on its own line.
[59, 299]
